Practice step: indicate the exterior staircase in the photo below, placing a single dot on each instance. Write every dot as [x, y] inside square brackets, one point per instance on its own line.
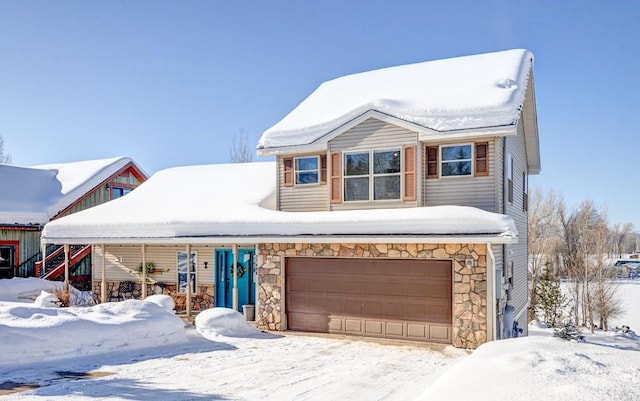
[55, 261]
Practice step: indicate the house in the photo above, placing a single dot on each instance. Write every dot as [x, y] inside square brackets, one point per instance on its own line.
[36, 195]
[396, 207]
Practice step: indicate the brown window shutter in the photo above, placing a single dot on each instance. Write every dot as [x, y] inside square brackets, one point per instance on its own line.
[287, 179]
[323, 169]
[409, 173]
[482, 159]
[336, 177]
[432, 161]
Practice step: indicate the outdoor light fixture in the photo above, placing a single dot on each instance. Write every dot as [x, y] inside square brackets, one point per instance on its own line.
[205, 264]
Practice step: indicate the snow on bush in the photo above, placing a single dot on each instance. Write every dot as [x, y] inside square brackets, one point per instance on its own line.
[163, 301]
[224, 322]
[47, 300]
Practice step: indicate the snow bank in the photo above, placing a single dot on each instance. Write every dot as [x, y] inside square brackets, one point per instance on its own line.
[223, 322]
[20, 289]
[484, 90]
[541, 368]
[163, 301]
[33, 333]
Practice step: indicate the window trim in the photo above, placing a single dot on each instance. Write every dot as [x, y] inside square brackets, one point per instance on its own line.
[471, 160]
[371, 175]
[318, 170]
[509, 167]
[195, 272]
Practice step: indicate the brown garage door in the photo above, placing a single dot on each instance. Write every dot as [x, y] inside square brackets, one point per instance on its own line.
[394, 298]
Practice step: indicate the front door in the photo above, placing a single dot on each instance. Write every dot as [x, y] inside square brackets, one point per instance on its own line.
[224, 277]
[7, 261]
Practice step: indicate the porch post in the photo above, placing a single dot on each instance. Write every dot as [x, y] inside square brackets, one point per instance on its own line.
[103, 285]
[234, 292]
[144, 271]
[188, 297]
[66, 267]
[43, 251]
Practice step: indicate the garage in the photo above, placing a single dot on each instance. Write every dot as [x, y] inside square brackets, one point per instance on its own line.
[389, 298]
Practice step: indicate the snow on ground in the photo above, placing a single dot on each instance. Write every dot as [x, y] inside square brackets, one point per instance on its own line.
[120, 351]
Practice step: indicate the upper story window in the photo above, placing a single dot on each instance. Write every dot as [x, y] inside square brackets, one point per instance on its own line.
[373, 175]
[510, 178]
[455, 160]
[459, 160]
[117, 192]
[307, 170]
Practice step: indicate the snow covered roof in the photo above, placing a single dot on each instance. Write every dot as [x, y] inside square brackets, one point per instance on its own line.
[34, 195]
[218, 202]
[478, 91]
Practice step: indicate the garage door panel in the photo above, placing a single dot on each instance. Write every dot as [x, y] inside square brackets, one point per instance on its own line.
[370, 297]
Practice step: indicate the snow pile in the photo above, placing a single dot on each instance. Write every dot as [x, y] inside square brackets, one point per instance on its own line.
[224, 322]
[163, 301]
[484, 90]
[31, 332]
[46, 299]
[20, 289]
[151, 212]
[39, 193]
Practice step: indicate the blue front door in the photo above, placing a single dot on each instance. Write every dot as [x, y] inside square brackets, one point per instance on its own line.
[224, 277]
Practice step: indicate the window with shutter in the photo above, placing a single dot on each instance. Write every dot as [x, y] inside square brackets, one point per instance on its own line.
[287, 179]
[336, 177]
[432, 161]
[482, 159]
[409, 173]
[323, 169]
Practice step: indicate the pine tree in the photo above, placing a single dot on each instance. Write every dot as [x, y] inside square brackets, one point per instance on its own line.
[551, 300]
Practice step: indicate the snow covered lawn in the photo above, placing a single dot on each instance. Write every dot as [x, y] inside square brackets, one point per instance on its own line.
[120, 352]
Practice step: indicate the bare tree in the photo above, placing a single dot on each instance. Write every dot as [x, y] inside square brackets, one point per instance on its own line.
[586, 240]
[543, 233]
[622, 239]
[241, 151]
[4, 157]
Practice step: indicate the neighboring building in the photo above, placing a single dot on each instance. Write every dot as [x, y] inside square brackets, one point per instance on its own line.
[33, 196]
[396, 207]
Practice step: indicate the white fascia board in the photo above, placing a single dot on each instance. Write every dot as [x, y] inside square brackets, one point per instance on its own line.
[477, 133]
[320, 144]
[307, 239]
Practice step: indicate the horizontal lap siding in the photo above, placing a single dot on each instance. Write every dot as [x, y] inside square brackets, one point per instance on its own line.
[462, 191]
[373, 134]
[519, 297]
[162, 257]
[301, 198]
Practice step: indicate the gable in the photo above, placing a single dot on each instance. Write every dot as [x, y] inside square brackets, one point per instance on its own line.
[463, 93]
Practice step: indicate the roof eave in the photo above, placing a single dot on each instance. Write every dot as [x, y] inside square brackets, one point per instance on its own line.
[313, 239]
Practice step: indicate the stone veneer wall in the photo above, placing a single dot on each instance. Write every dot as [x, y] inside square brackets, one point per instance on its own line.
[120, 290]
[469, 284]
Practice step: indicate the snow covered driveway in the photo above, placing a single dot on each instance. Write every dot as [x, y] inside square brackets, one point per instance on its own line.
[270, 367]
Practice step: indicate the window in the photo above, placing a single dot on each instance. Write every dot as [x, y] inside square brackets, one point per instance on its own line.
[118, 192]
[455, 160]
[182, 272]
[525, 192]
[307, 170]
[373, 175]
[510, 178]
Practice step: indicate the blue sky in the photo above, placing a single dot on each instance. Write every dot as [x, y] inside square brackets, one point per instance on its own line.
[170, 83]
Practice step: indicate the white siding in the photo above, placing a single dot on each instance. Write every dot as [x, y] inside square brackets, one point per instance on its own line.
[372, 134]
[122, 263]
[477, 192]
[517, 253]
[301, 198]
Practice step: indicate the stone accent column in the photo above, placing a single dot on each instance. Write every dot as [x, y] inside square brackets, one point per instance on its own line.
[469, 280]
